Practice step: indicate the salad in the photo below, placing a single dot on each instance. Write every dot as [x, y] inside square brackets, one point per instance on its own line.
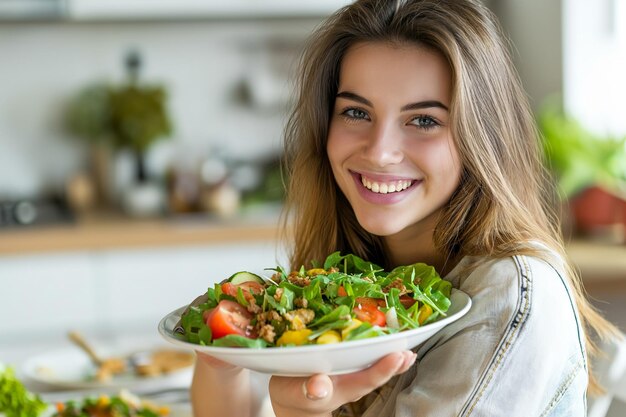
[347, 298]
[15, 399]
[123, 405]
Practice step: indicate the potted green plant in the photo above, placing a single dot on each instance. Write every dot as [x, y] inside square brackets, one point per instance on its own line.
[130, 116]
[87, 117]
[590, 170]
[138, 115]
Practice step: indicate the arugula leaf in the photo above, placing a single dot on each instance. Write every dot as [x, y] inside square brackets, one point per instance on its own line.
[364, 331]
[235, 340]
[332, 260]
[241, 299]
[286, 299]
[192, 322]
[338, 324]
[340, 313]
[205, 335]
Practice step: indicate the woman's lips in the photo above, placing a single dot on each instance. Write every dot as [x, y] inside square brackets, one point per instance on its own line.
[378, 189]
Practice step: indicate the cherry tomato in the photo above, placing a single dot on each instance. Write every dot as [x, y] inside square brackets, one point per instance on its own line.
[341, 292]
[229, 317]
[407, 301]
[252, 287]
[370, 313]
[370, 301]
[248, 288]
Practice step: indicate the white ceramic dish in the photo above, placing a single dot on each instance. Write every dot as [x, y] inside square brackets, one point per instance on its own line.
[332, 359]
[70, 368]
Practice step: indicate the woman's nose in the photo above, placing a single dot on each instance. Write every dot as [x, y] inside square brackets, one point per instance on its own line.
[384, 146]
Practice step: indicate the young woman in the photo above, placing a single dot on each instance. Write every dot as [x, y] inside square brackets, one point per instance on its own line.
[412, 141]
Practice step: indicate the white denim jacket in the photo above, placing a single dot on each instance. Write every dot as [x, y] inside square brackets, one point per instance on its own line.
[519, 351]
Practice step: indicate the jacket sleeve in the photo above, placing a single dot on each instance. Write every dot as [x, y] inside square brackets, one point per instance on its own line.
[517, 352]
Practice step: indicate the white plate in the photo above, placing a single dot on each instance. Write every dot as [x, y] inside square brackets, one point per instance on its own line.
[71, 369]
[331, 359]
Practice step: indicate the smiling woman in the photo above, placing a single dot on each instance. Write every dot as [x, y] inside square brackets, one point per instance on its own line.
[411, 140]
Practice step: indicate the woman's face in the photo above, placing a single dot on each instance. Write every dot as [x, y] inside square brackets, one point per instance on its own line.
[389, 143]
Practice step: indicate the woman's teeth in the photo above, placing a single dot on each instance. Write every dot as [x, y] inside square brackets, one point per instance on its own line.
[385, 187]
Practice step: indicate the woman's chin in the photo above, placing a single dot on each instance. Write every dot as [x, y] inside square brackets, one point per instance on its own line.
[380, 227]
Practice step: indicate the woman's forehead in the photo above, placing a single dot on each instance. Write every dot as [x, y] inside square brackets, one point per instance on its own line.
[402, 71]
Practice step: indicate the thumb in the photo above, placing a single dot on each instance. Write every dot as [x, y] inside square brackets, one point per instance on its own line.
[317, 387]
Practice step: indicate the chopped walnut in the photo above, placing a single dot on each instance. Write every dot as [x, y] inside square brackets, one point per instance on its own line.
[263, 318]
[296, 279]
[301, 302]
[254, 308]
[299, 318]
[267, 333]
[397, 283]
[278, 294]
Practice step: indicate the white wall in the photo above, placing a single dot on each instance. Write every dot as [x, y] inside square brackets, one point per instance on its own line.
[594, 52]
[534, 28]
[200, 62]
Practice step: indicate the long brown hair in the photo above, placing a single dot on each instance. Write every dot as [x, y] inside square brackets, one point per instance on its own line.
[505, 198]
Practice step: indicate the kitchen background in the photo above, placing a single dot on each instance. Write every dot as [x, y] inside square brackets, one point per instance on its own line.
[85, 246]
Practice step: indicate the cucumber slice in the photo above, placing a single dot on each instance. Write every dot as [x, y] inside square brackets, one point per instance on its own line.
[244, 276]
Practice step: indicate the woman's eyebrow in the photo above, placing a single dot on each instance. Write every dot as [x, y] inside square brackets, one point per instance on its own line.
[424, 105]
[412, 106]
[354, 97]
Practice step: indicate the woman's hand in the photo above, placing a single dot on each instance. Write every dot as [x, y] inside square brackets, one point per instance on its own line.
[215, 363]
[220, 389]
[320, 394]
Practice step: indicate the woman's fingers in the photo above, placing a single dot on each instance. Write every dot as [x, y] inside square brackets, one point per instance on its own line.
[322, 394]
[214, 362]
[351, 387]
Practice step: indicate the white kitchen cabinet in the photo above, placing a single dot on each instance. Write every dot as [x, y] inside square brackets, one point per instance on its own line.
[39, 293]
[114, 290]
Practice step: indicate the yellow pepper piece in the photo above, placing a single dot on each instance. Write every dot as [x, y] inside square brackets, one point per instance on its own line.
[297, 324]
[353, 324]
[103, 401]
[164, 411]
[316, 271]
[424, 312]
[330, 336]
[294, 337]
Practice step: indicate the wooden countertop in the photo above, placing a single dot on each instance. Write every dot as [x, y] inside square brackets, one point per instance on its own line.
[602, 266]
[99, 232]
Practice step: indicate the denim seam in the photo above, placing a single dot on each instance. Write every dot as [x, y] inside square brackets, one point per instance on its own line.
[563, 388]
[575, 311]
[514, 327]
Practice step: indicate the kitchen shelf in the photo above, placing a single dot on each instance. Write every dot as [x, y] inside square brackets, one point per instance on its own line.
[181, 9]
[163, 10]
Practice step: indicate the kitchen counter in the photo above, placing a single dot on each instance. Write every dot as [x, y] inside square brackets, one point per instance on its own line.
[602, 266]
[109, 231]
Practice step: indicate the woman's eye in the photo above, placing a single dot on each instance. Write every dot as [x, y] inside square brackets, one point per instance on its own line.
[355, 114]
[424, 122]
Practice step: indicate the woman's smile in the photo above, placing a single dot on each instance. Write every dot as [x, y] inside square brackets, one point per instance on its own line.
[384, 189]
